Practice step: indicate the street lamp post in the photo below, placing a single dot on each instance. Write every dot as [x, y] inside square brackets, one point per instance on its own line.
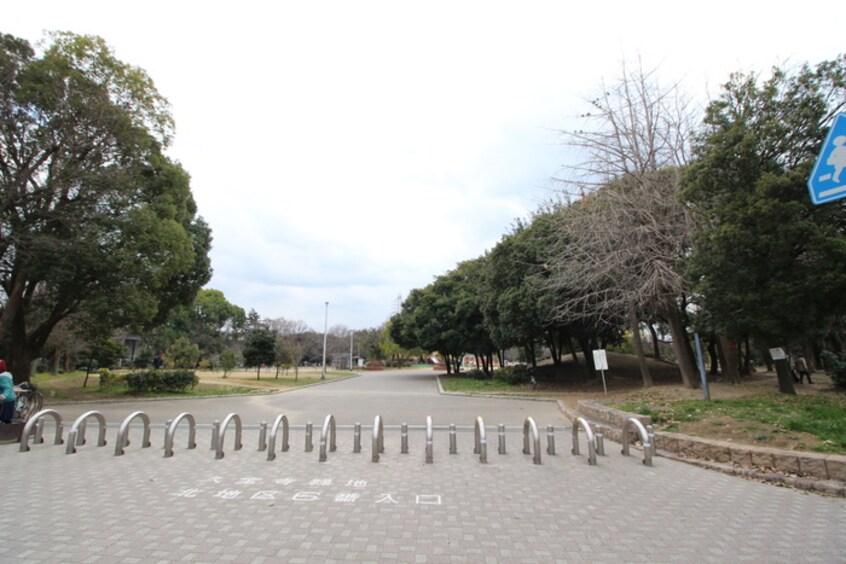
[325, 332]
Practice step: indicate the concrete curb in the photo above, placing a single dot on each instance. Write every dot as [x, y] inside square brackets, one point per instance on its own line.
[180, 398]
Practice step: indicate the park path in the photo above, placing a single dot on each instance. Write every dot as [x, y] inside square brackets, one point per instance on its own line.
[397, 395]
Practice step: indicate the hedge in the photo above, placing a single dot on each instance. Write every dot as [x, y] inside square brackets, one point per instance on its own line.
[161, 381]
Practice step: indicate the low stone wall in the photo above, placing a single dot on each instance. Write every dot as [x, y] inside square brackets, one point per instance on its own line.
[809, 464]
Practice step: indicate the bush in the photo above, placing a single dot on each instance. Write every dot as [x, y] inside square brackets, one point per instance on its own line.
[517, 374]
[109, 379]
[161, 381]
[475, 374]
[836, 368]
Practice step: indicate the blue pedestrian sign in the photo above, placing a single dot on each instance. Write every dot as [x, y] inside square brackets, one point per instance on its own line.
[828, 178]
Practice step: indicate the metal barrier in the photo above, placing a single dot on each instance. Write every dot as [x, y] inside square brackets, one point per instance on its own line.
[530, 425]
[357, 438]
[378, 438]
[36, 422]
[171, 431]
[274, 430]
[644, 438]
[404, 438]
[328, 429]
[591, 440]
[453, 441]
[430, 447]
[123, 433]
[309, 432]
[223, 426]
[76, 436]
[501, 433]
[481, 443]
[550, 440]
[262, 444]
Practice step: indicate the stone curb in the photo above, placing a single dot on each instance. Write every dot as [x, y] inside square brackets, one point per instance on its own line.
[269, 393]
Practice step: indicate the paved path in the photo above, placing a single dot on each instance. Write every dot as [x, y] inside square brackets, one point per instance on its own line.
[397, 396]
[95, 507]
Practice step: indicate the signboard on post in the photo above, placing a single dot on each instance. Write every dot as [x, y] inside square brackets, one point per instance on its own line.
[600, 362]
[828, 177]
[778, 354]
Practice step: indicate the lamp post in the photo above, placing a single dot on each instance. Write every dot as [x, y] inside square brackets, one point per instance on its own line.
[325, 332]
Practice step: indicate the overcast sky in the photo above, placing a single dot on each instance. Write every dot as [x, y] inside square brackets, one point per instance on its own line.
[351, 151]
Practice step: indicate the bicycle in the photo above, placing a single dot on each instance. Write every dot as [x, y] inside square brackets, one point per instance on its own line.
[28, 401]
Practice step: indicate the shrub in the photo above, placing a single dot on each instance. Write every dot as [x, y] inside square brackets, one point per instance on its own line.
[476, 374]
[836, 368]
[161, 381]
[517, 374]
[109, 379]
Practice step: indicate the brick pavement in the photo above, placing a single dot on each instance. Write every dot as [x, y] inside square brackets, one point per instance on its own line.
[94, 507]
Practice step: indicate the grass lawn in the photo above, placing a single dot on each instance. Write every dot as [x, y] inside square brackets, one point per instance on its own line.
[69, 387]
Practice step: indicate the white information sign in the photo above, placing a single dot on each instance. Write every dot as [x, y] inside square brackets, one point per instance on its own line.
[778, 354]
[600, 361]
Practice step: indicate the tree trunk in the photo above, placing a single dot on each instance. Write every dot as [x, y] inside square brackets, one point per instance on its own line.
[656, 350]
[573, 351]
[634, 324]
[713, 357]
[785, 378]
[681, 346]
[731, 363]
[590, 367]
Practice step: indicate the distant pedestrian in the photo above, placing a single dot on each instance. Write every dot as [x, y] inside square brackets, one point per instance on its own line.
[7, 394]
[158, 362]
[800, 365]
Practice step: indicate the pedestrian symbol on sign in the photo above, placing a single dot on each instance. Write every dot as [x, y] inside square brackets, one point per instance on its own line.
[828, 180]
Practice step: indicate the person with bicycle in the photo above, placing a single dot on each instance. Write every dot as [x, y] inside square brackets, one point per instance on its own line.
[7, 394]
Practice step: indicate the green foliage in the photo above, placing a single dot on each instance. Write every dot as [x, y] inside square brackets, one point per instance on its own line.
[475, 374]
[109, 379]
[183, 354]
[227, 361]
[767, 262]
[105, 226]
[513, 375]
[260, 349]
[836, 368]
[165, 381]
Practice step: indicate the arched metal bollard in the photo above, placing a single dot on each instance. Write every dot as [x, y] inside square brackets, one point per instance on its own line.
[76, 436]
[123, 434]
[274, 430]
[501, 433]
[327, 430]
[644, 438]
[309, 431]
[166, 427]
[550, 440]
[357, 438]
[430, 446]
[262, 444]
[404, 438]
[171, 431]
[529, 425]
[591, 440]
[378, 443]
[35, 421]
[481, 442]
[218, 454]
[453, 441]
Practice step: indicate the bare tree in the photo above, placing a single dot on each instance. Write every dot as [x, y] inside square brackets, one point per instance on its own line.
[618, 249]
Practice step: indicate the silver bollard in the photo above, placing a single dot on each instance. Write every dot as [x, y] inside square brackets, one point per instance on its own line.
[357, 438]
[453, 443]
[215, 431]
[167, 426]
[501, 429]
[550, 440]
[262, 445]
[404, 438]
[308, 432]
[600, 442]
